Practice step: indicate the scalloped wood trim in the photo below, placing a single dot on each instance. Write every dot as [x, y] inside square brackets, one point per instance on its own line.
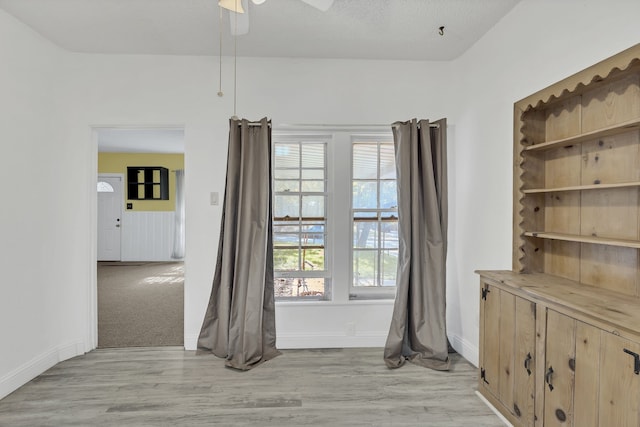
[533, 105]
[572, 84]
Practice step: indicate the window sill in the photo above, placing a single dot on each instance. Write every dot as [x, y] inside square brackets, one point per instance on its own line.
[381, 302]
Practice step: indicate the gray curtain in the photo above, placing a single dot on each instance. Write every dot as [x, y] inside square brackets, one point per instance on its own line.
[239, 323]
[418, 331]
[178, 232]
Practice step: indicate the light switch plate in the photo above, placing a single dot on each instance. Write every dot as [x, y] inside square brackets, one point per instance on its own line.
[214, 198]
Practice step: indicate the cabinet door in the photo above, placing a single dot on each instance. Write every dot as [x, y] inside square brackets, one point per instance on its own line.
[508, 351]
[525, 361]
[587, 375]
[619, 382]
[489, 337]
[559, 370]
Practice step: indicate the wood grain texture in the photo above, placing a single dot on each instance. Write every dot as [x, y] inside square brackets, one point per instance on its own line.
[613, 159]
[523, 390]
[610, 213]
[587, 374]
[562, 258]
[619, 385]
[507, 347]
[563, 119]
[610, 311]
[610, 267]
[491, 350]
[172, 387]
[614, 103]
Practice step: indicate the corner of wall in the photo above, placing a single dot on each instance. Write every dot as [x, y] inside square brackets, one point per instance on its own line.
[36, 366]
[465, 349]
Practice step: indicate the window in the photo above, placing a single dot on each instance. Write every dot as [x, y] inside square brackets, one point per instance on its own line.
[299, 219]
[105, 187]
[335, 226]
[375, 214]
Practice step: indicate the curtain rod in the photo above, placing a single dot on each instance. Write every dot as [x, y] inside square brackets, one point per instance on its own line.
[339, 126]
[254, 124]
[258, 123]
[431, 125]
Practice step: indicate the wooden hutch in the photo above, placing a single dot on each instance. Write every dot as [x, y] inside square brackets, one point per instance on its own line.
[560, 334]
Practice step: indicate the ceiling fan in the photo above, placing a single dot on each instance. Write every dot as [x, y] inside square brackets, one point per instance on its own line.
[241, 18]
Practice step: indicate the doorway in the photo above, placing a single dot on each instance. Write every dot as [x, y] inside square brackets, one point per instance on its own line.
[139, 271]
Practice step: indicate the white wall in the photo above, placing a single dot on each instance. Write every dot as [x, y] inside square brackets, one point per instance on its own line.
[50, 99]
[535, 45]
[45, 261]
[147, 90]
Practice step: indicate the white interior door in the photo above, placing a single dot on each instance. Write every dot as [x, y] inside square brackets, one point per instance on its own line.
[110, 199]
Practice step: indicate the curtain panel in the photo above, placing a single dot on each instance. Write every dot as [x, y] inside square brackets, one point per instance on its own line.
[418, 331]
[239, 323]
[179, 231]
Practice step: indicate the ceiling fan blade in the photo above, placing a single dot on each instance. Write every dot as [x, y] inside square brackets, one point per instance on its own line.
[239, 22]
[322, 5]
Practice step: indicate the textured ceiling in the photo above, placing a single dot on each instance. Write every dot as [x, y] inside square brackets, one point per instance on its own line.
[359, 29]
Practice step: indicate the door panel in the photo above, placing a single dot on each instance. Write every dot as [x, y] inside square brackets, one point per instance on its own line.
[559, 375]
[587, 375]
[507, 349]
[619, 384]
[109, 218]
[525, 361]
[491, 347]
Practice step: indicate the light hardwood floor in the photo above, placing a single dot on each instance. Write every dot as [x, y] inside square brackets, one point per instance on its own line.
[171, 387]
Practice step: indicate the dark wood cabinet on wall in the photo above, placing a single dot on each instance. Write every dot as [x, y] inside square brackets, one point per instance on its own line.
[147, 183]
[560, 333]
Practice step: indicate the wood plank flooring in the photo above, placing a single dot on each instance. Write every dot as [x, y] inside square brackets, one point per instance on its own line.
[171, 387]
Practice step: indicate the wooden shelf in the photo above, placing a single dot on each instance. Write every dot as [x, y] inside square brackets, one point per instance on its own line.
[582, 187]
[584, 239]
[583, 137]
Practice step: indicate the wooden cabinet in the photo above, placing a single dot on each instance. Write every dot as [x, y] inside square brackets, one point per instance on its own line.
[576, 257]
[554, 352]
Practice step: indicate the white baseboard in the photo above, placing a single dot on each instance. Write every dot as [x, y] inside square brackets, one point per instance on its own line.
[294, 341]
[36, 366]
[191, 342]
[493, 408]
[465, 349]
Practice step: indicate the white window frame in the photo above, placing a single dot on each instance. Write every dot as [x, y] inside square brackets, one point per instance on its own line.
[366, 292]
[299, 138]
[339, 213]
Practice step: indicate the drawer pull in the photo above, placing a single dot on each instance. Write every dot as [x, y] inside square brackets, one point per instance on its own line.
[548, 376]
[527, 363]
[636, 361]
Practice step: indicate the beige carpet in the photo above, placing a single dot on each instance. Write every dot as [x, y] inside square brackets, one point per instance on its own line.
[140, 304]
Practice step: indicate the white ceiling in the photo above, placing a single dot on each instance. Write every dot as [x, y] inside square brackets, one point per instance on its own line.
[141, 140]
[359, 29]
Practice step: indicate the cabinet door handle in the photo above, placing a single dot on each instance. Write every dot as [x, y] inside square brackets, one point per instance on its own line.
[636, 361]
[548, 376]
[527, 363]
[485, 291]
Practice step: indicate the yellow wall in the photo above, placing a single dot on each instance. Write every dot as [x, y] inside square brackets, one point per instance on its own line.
[118, 162]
